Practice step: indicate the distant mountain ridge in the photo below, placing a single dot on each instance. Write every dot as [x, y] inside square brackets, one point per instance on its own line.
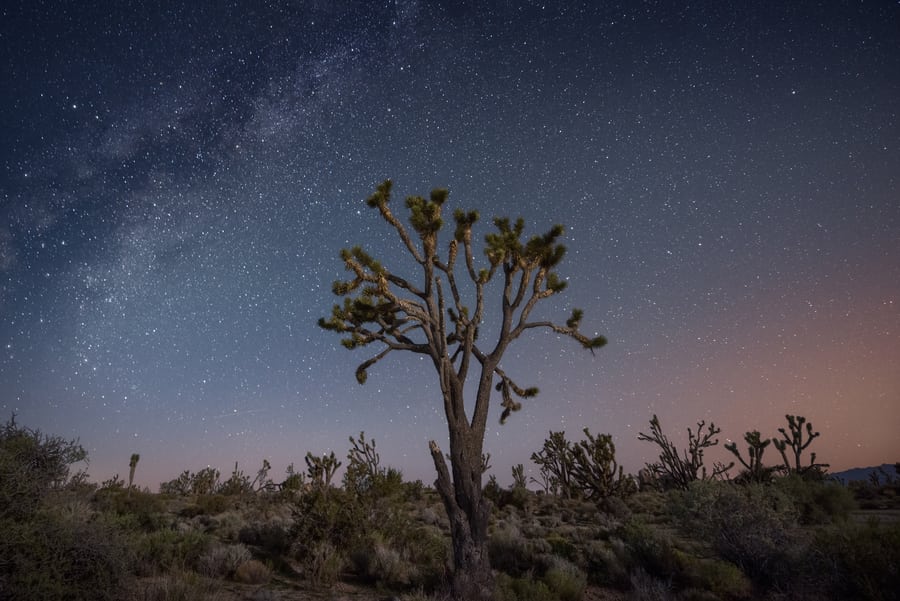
[865, 473]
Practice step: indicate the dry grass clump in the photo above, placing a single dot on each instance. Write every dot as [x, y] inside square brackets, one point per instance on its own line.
[221, 561]
[176, 586]
[253, 571]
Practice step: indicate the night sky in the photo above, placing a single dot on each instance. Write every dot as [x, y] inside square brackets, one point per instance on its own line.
[178, 180]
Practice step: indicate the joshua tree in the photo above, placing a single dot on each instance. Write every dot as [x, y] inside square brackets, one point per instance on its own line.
[363, 466]
[429, 316]
[518, 476]
[132, 465]
[797, 445]
[587, 468]
[321, 469]
[595, 471]
[554, 461]
[755, 471]
[682, 469]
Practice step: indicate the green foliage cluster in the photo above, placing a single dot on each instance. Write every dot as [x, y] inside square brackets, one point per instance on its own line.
[50, 548]
[860, 561]
[321, 470]
[586, 469]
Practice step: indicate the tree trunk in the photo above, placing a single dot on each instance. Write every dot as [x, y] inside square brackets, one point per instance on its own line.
[469, 511]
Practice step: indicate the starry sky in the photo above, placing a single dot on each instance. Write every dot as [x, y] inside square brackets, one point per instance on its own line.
[178, 180]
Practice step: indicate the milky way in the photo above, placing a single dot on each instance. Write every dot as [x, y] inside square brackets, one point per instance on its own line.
[177, 184]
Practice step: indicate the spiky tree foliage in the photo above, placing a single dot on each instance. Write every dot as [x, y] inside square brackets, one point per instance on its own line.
[518, 476]
[555, 463]
[206, 481]
[795, 442]
[754, 470]
[237, 484]
[363, 466]
[595, 471]
[587, 468]
[429, 316]
[680, 469]
[321, 469]
[132, 466]
[262, 481]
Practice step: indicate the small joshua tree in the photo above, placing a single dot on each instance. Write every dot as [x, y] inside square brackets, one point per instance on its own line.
[795, 442]
[754, 470]
[555, 463]
[595, 471]
[206, 481]
[294, 482]
[518, 476]
[363, 466]
[682, 469]
[237, 484]
[587, 468]
[262, 481]
[132, 465]
[321, 469]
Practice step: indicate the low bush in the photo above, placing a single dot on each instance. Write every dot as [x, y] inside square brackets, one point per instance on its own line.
[221, 561]
[720, 578]
[323, 562]
[565, 580]
[253, 572]
[54, 557]
[508, 588]
[167, 550]
[817, 501]
[509, 551]
[177, 586]
[647, 548]
[860, 561]
[753, 526]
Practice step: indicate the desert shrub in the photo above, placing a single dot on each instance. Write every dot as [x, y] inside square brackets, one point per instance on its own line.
[213, 504]
[648, 548]
[817, 501]
[140, 510]
[615, 507]
[414, 491]
[752, 526]
[327, 515]
[429, 551]
[651, 504]
[562, 546]
[272, 538]
[720, 578]
[253, 572]
[31, 465]
[647, 587]
[55, 556]
[509, 551]
[221, 561]
[517, 496]
[177, 586]
[166, 550]
[508, 588]
[323, 563]
[384, 566]
[565, 580]
[860, 561]
[603, 566]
